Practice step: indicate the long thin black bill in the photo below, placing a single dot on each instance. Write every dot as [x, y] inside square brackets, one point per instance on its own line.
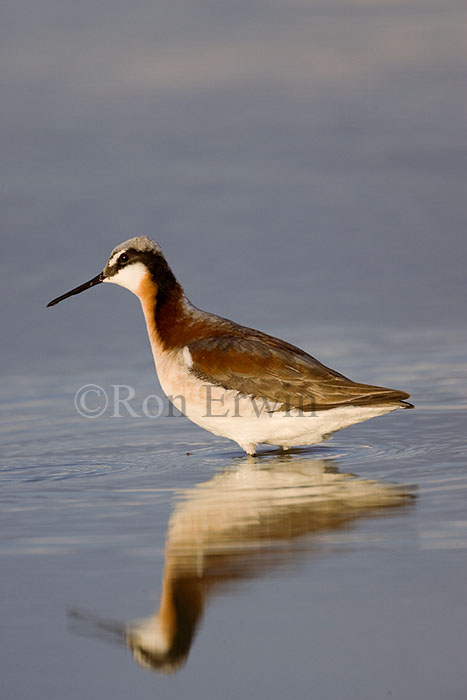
[77, 290]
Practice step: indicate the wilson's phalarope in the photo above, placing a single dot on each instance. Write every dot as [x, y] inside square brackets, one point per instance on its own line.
[235, 381]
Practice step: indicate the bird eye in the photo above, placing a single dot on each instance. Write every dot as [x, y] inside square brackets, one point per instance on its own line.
[123, 258]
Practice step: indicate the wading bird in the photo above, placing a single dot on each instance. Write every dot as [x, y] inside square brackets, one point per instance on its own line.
[237, 382]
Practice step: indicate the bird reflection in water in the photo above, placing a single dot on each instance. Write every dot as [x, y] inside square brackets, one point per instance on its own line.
[238, 525]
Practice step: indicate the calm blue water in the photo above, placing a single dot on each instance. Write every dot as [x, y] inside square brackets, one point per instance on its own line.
[303, 167]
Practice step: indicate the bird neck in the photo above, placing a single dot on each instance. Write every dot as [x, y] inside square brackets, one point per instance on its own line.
[169, 314]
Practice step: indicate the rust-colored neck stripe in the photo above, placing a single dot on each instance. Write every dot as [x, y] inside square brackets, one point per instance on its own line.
[164, 307]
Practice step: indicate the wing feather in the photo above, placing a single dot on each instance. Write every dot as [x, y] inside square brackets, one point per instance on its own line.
[265, 367]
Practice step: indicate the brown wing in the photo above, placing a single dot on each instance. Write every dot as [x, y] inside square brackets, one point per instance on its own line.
[266, 367]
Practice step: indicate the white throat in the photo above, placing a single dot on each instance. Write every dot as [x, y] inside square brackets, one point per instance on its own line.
[129, 277]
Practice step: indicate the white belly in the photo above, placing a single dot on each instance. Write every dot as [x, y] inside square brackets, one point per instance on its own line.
[249, 421]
